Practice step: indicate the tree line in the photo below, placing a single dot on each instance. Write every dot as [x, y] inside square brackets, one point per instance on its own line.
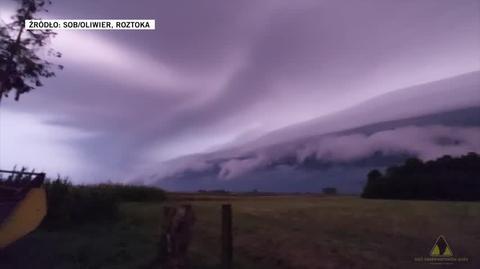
[446, 178]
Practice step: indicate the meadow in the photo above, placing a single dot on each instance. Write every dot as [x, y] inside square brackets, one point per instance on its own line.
[296, 231]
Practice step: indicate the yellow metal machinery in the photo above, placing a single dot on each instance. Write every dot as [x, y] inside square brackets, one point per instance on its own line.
[23, 205]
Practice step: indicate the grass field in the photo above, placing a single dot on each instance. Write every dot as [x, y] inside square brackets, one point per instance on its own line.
[269, 232]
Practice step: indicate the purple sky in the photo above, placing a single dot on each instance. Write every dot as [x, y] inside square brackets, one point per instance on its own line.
[217, 72]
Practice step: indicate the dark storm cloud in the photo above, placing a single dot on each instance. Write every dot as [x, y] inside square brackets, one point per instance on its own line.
[427, 143]
[215, 70]
[329, 42]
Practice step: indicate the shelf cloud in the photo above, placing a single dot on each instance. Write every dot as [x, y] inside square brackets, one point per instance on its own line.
[214, 73]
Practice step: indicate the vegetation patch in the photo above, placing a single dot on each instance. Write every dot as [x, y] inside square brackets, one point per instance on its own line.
[446, 178]
[69, 204]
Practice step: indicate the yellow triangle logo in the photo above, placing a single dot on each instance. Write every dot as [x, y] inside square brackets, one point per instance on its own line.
[441, 248]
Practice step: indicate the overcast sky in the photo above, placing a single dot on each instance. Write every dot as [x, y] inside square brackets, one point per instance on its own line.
[214, 72]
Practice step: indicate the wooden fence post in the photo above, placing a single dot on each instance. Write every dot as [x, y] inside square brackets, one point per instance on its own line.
[176, 237]
[227, 237]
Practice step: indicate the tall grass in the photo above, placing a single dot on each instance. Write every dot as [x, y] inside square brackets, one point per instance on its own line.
[70, 205]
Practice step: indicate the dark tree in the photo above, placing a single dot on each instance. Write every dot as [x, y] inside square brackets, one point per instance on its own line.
[21, 67]
[374, 187]
[374, 174]
[446, 178]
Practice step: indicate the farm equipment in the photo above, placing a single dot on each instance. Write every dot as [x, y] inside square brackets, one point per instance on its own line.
[23, 205]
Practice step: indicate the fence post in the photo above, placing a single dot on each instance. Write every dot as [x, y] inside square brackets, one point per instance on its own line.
[176, 237]
[227, 237]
